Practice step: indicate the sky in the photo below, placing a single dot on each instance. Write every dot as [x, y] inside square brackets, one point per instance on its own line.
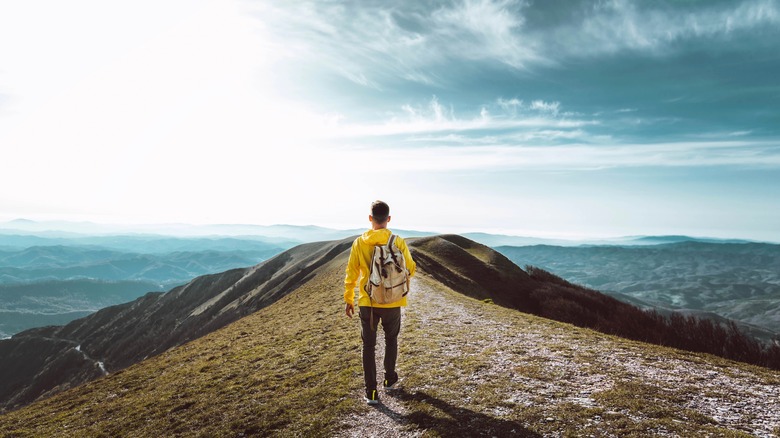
[539, 118]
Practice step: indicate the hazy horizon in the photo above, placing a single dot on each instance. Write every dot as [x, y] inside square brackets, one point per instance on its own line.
[578, 119]
[181, 229]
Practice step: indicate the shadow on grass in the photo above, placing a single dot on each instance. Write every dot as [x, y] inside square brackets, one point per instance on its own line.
[456, 421]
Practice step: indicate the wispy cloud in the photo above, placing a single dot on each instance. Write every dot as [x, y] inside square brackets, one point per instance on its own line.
[487, 29]
[546, 107]
[626, 25]
[372, 42]
[537, 120]
[508, 134]
[577, 157]
[510, 105]
[509, 122]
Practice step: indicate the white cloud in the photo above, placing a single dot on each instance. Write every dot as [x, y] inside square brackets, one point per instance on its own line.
[487, 29]
[510, 105]
[434, 117]
[547, 107]
[439, 112]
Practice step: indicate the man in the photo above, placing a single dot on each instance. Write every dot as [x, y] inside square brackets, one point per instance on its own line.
[371, 313]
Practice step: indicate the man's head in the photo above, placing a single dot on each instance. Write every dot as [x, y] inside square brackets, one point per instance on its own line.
[380, 214]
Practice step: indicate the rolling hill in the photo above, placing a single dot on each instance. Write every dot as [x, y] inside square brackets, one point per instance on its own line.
[267, 351]
[163, 270]
[738, 281]
[43, 285]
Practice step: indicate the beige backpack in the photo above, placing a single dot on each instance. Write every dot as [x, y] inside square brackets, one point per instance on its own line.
[388, 279]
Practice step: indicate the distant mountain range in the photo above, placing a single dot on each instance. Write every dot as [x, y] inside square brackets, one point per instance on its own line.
[46, 280]
[59, 264]
[288, 235]
[164, 269]
[42, 285]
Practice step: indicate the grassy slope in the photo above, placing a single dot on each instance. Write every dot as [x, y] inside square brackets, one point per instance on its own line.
[293, 368]
[274, 371]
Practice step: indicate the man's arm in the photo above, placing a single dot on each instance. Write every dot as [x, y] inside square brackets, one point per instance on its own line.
[351, 279]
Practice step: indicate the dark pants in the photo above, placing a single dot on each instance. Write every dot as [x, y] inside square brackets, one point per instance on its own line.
[391, 325]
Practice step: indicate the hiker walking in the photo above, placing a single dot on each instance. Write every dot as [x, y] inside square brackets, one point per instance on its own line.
[383, 264]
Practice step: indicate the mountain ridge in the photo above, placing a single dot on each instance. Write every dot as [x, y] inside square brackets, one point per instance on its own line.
[121, 335]
[468, 367]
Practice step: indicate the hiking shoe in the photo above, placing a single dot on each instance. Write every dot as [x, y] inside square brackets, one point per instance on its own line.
[372, 397]
[391, 384]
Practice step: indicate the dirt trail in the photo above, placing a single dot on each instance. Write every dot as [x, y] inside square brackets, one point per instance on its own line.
[526, 365]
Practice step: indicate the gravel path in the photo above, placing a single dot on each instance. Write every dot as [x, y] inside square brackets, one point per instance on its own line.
[572, 372]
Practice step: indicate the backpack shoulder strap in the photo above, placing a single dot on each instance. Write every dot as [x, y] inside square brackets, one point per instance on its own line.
[390, 245]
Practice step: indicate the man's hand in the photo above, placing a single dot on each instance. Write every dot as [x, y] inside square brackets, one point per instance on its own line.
[349, 310]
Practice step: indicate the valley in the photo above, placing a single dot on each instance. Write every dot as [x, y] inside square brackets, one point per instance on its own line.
[53, 285]
[739, 281]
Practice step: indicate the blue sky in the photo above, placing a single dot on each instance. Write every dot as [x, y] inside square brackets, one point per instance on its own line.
[562, 119]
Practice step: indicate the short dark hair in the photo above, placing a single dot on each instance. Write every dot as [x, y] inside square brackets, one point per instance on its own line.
[380, 211]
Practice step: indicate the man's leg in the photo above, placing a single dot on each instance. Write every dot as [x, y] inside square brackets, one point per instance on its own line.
[391, 324]
[368, 334]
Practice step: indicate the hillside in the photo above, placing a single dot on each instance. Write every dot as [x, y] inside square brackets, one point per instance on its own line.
[739, 281]
[44, 360]
[469, 368]
[44, 285]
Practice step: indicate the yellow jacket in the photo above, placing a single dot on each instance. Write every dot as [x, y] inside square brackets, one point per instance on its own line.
[360, 260]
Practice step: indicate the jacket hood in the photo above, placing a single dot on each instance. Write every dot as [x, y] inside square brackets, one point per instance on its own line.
[376, 237]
